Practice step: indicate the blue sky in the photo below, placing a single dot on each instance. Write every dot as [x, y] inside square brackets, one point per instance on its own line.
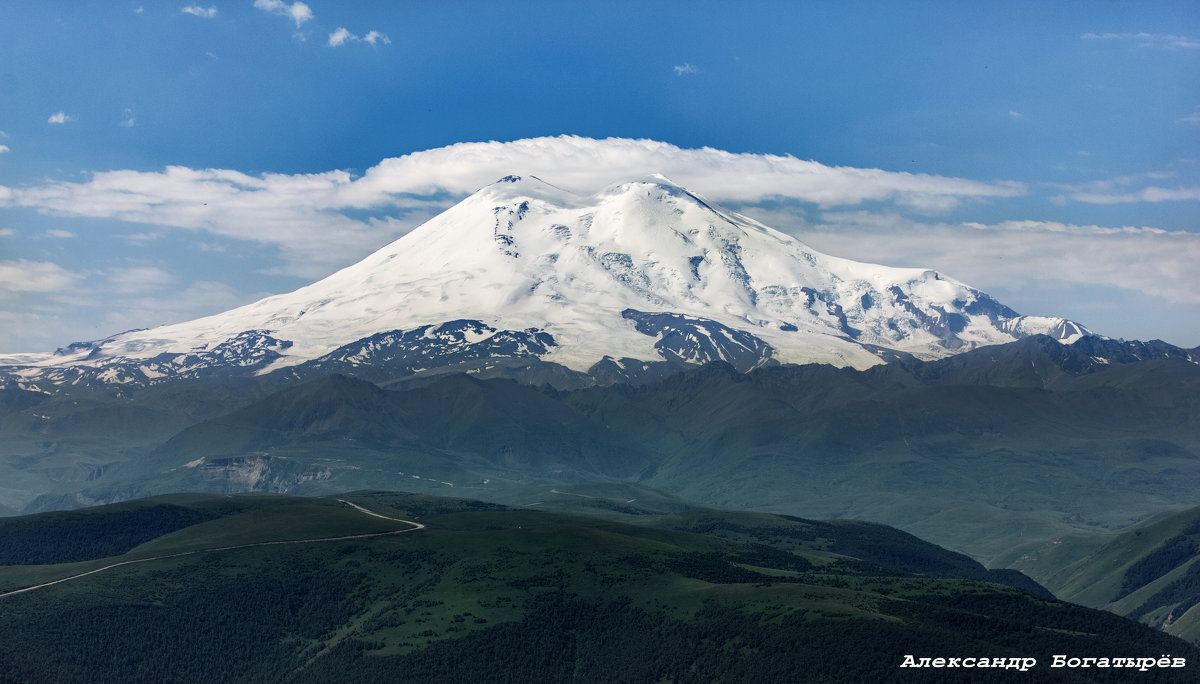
[165, 160]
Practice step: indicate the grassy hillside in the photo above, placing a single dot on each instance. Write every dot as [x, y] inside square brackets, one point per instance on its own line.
[1150, 573]
[491, 593]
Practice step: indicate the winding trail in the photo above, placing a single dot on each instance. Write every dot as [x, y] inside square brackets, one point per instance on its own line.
[415, 526]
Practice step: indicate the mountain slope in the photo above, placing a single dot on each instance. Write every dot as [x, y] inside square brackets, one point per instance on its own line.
[338, 432]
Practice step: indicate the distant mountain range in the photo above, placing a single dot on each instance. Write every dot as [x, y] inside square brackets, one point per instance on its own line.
[984, 451]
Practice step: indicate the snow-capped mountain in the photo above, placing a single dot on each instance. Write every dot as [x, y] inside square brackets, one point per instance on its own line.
[643, 272]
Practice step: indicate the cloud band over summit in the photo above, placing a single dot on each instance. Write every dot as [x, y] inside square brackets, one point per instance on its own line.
[586, 164]
[580, 163]
[305, 215]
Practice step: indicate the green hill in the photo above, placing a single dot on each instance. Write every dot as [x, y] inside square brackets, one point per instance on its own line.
[485, 592]
[1150, 572]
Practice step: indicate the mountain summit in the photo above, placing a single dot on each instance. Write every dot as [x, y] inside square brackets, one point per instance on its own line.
[642, 272]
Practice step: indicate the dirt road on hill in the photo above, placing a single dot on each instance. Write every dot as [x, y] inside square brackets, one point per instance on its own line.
[415, 526]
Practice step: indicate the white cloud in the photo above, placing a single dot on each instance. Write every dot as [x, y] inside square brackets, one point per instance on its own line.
[683, 69]
[198, 11]
[127, 119]
[1127, 189]
[7, 232]
[34, 276]
[339, 36]
[139, 239]
[297, 11]
[59, 118]
[140, 279]
[343, 35]
[3, 149]
[373, 37]
[1143, 39]
[1192, 119]
[1148, 194]
[59, 234]
[1115, 192]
